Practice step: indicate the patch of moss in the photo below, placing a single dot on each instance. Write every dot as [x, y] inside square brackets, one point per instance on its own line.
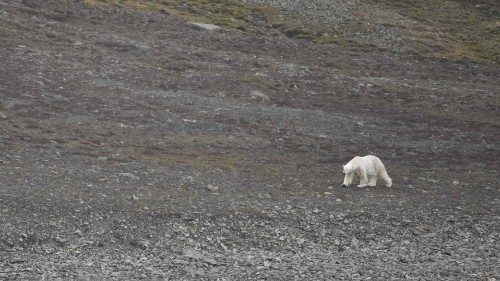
[258, 81]
[235, 15]
[470, 33]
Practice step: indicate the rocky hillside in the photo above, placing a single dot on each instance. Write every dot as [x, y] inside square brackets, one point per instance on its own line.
[136, 144]
[450, 30]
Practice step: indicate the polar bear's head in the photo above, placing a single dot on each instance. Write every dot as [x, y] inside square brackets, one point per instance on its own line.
[347, 169]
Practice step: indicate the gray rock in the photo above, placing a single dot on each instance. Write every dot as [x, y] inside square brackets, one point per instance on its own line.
[205, 26]
[189, 179]
[187, 217]
[128, 175]
[212, 188]
[259, 96]
[177, 262]
[192, 253]
[210, 261]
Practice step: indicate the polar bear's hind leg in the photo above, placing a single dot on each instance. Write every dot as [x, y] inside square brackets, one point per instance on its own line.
[386, 178]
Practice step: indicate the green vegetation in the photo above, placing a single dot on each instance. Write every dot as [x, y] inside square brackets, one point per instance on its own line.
[227, 13]
[455, 30]
[236, 15]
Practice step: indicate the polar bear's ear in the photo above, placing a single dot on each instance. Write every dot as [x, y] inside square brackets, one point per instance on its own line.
[343, 166]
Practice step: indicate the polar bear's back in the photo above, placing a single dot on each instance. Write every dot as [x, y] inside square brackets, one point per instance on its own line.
[372, 158]
[372, 163]
[366, 161]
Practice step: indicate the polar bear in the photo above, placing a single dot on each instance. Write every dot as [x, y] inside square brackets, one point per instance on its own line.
[369, 169]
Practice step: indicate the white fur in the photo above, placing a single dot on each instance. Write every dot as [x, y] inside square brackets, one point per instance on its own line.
[368, 168]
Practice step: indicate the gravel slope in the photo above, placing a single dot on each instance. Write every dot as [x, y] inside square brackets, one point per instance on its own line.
[133, 146]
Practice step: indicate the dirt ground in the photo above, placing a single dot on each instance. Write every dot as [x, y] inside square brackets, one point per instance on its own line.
[135, 145]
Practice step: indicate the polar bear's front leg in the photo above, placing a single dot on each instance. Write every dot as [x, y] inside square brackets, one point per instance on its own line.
[363, 178]
[348, 178]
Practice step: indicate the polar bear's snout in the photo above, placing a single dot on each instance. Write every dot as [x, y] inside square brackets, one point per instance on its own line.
[346, 169]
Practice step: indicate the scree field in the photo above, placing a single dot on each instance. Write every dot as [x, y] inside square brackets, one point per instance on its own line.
[204, 140]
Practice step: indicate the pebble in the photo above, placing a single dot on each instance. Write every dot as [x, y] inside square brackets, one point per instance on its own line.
[212, 188]
[211, 261]
[129, 175]
[192, 253]
[189, 179]
[260, 96]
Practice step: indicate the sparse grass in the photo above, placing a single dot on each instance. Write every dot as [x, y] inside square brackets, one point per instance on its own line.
[469, 34]
[236, 15]
[185, 150]
[445, 30]
[58, 36]
[259, 82]
[226, 13]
